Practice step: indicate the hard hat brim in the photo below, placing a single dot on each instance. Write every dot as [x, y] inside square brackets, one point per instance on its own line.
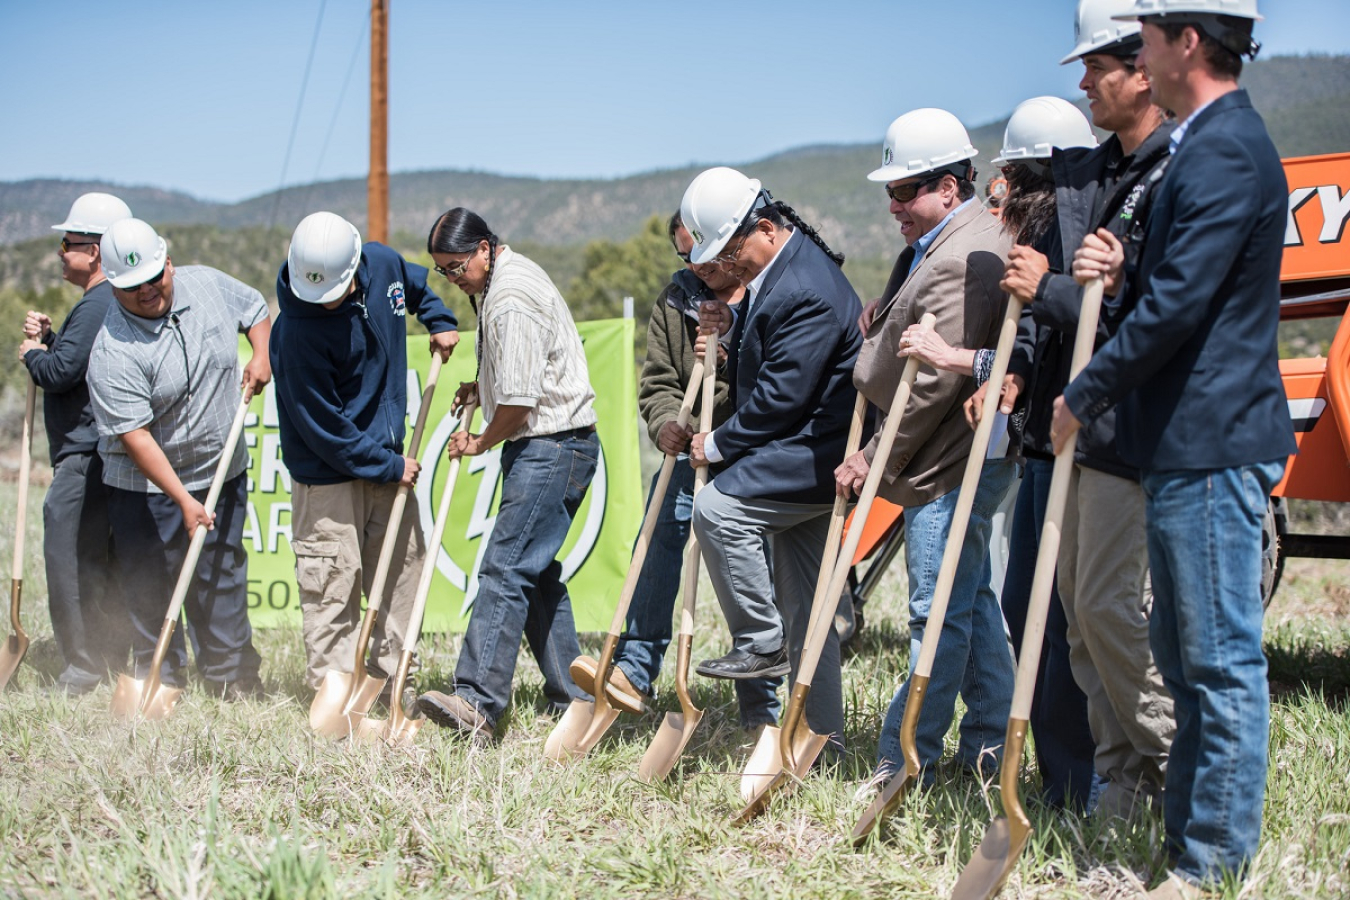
[307, 292]
[707, 251]
[139, 275]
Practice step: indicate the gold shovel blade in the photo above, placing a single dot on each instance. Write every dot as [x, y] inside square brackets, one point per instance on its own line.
[806, 747]
[127, 696]
[885, 803]
[161, 702]
[668, 744]
[342, 701]
[10, 656]
[993, 861]
[580, 729]
[764, 765]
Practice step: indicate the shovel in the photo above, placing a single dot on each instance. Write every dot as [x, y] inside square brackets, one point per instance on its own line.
[1003, 842]
[399, 730]
[585, 721]
[784, 755]
[17, 643]
[678, 727]
[345, 697]
[147, 695]
[895, 790]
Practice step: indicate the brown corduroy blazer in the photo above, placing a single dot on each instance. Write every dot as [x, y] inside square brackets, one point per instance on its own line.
[957, 281]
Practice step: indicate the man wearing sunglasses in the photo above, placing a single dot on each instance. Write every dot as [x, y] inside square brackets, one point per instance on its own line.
[340, 357]
[87, 611]
[165, 382]
[951, 268]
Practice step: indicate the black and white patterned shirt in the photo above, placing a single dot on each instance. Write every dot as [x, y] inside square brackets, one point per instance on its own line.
[178, 376]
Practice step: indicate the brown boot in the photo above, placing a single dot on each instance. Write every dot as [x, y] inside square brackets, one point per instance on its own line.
[619, 690]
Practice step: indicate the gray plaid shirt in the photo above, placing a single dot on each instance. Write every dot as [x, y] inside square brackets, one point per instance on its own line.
[178, 376]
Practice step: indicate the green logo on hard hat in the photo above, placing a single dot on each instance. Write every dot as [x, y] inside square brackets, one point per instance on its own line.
[697, 235]
[314, 277]
[133, 258]
[886, 155]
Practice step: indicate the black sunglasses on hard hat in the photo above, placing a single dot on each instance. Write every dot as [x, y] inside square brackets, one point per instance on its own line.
[67, 243]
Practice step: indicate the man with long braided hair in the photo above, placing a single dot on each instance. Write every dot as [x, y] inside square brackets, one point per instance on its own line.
[790, 361]
[535, 393]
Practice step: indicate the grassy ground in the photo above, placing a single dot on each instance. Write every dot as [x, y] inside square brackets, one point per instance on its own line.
[242, 801]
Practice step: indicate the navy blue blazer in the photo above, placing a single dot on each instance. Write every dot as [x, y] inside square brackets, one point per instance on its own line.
[1194, 365]
[790, 366]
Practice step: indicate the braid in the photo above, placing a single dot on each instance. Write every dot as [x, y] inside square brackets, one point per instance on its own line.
[491, 266]
[780, 210]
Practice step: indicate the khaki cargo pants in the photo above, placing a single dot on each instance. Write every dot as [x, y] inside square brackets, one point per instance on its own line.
[336, 534]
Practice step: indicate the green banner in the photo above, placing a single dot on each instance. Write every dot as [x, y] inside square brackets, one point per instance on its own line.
[595, 556]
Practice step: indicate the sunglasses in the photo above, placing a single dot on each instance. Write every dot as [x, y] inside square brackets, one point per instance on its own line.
[905, 193]
[66, 244]
[726, 259]
[684, 257]
[454, 272]
[136, 288]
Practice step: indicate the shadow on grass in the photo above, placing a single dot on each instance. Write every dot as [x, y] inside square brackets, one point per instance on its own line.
[1316, 660]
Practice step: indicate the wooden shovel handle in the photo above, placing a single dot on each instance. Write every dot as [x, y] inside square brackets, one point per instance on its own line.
[1047, 554]
[25, 465]
[375, 598]
[970, 483]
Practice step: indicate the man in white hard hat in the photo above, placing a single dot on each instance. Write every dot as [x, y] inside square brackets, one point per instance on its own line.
[1103, 561]
[339, 353]
[790, 357]
[165, 382]
[1194, 373]
[951, 268]
[88, 613]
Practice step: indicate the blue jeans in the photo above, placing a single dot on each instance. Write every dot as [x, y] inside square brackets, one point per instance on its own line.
[1059, 719]
[151, 546]
[1204, 548]
[647, 630]
[520, 591]
[972, 656]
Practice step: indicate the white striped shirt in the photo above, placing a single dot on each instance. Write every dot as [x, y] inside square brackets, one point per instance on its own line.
[529, 352]
[177, 376]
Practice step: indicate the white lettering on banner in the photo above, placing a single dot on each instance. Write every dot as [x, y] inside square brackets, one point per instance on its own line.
[414, 395]
[275, 530]
[270, 417]
[250, 441]
[1335, 213]
[271, 467]
[252, 529]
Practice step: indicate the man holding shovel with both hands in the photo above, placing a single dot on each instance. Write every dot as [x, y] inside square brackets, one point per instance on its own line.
[164, 380]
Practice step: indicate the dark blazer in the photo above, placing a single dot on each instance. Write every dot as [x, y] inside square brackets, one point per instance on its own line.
[790, 365]
[1194, 365]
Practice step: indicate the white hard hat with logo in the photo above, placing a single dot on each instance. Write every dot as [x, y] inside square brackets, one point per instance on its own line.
[325, 251]
[1242, 9]
[132, 253]
[715, 206]
[921, 141]
[1041, 124]
[92, 213]
[1095, 30]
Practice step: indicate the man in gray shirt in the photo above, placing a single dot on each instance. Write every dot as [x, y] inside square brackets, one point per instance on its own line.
[165, 383]
[88, 614]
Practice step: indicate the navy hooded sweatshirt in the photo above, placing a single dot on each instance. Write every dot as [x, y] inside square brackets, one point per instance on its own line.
[341, 374]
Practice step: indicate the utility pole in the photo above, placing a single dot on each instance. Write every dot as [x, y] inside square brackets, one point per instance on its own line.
[377, 182]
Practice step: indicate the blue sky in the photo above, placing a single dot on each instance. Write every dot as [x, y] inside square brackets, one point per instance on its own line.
[201, 96]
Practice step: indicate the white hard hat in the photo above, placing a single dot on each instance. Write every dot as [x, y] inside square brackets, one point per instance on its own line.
[1095, 29]
[325, 251]
[132, 253]
[92, 213]
[922, 140]
[1041, 124]
[714, 207]
[1242, 9]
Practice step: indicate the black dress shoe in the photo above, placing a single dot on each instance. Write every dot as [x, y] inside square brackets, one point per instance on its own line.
[740, 664]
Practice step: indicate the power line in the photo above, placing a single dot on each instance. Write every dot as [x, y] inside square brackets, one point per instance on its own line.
[295, 121]
[337, 110]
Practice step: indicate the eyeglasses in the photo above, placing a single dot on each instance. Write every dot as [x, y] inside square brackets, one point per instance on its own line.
[66, 244]
[454, 272]
[905, 193]
[136, 288]
[726, 259]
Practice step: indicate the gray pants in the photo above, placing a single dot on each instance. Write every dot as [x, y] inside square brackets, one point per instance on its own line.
[337, 531]
[1103, 583]
[731, 533]
[89, 616]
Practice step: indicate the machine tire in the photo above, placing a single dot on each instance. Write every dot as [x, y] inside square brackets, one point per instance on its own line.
[1273, 529]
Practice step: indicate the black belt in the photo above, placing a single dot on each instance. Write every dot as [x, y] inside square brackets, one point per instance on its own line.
[582, 432]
